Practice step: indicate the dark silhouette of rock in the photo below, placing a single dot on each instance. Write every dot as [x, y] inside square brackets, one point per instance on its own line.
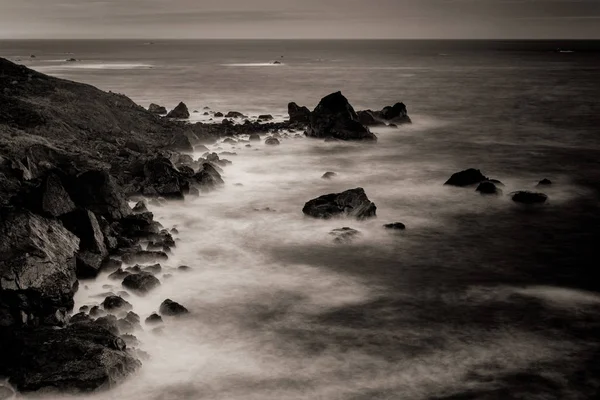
[156, 109]
[97, 191]
[92, 250]
[55, 199]
[265, 117]
[154, 319]
[96, 311]
[124, 326]
[171, 308]
[298, 114]
[235, 114]
[368, 119]
[545, 182]
[254, 137]
[271, 141]
[335, 118]
[352, 203]
[181, 112]
[116, 303]
[208, 178]
[328, 175]
[37, 268]
[140, 225]
[488, 187]
[153, 269]
[184, 268]
[526, 197]
[133, 318]
[344, 235]
[181, 143]
[219, 114]
[141, 283]
[396, 113]
[80, 358]
[140, 207]
[163, 179]
[395, 225]
[144, 257]
[467, 177]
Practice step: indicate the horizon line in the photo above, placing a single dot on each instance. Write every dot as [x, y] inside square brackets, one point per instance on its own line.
[311, 39]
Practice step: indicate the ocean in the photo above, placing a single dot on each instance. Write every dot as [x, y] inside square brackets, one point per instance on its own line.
[479, 298]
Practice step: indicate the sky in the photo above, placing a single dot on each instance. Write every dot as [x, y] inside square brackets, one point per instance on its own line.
[283, 19]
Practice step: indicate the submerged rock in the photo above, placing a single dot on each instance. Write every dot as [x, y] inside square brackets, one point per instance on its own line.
[467, 177]
[488, 187]
[141, 283]
[328, 175]
[181, 112]
[344, 235]
[208, 178]
[272, 141]
[156, 109]
[335, 118]
[368, 119]
[395, 225]
[526, 197]
[143, 256]
[37, 268]
[352, 203]
[119, 274]
[265, 117]
[545, 182]
[254, 137]
[80, 358]
[172, 308]
[116, 303]
[396, 113]
[154, 319]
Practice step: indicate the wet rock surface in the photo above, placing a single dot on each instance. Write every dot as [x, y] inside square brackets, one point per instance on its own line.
[351, 203]
[171, 308]
[141, 283]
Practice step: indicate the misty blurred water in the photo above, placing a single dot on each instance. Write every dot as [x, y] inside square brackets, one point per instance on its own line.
[478, 298]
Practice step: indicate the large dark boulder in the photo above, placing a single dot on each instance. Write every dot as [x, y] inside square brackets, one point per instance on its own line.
[97, 191]
[487, 187]
[298, 114]
[80, 358]
[156, 109]
[208, 178]
[352, 203]
[527, 197]
[396, 114]
[55, 201]
[367, 118]
[172, 308]
[335, 118]
[467, 177]
[37, 268]
[141, 283]
[181, 142]
[163, 179]
[271, 141]
[92, 249]
[116, 303]
[181, 111]
[139, 225]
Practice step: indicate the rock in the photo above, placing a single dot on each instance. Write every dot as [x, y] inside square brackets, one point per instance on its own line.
[111, 265]
[172, 308]
[116, 303]
[545, 182]
[80, 358]
[92, 250]
[136, 269]
[141, 283]
[328, 175]
[125, 326]
[335, 118]
[119, 274]
[254, 137]
[298, 114]
[153, 269]
[97, 191]
[265, 117]
[156, 109]
[181, 143]
[344, 235]
[219, 114]
[6, 393]
[84, 309]
[144, 257]
[467, 177]
[130, 340]
[140, 207]
[352, 203]
[133, 318]
[184, 268]
[235, 114]
[368, 119]
[488, 187]
[396, 113]
[208, 178]
[272, 141]
[526, 197]
[96, 311]
[163, 179]
[37, 267]
[154, 319]
[181, 112]
[55, 199]
[138, 225]
[395, 225]
[80, 317]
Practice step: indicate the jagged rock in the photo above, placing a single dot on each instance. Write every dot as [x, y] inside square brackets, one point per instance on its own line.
[368, 119]
[467, 177]
[138, 225]
[395, 225]
[487, 187]
[272, 141]
[545, 182]
[335, 118]
[92, 250]
[181, 112]
[119, 274]
[37, 267]
[55, 199]
[141, 283]
[154, 319]
[208, 178]
[97, 191]
[153, 269]
[133, 318]
[144, 257]
[298, 114]
[526, 197]
[344, 235]
[180, 142]
[352, 203]
[140, 207]
[396, 113]
[134, 270]
[80, 358]
[163, 179]
[130, 340]
[80, 317]
[116, 303]
[96, 311]
[328, 175]
[172, 308]
[156, 109]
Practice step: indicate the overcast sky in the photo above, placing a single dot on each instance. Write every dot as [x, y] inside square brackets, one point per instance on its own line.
[299, 19]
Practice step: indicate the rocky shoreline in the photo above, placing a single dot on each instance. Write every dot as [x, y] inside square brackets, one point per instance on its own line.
[71, 157]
